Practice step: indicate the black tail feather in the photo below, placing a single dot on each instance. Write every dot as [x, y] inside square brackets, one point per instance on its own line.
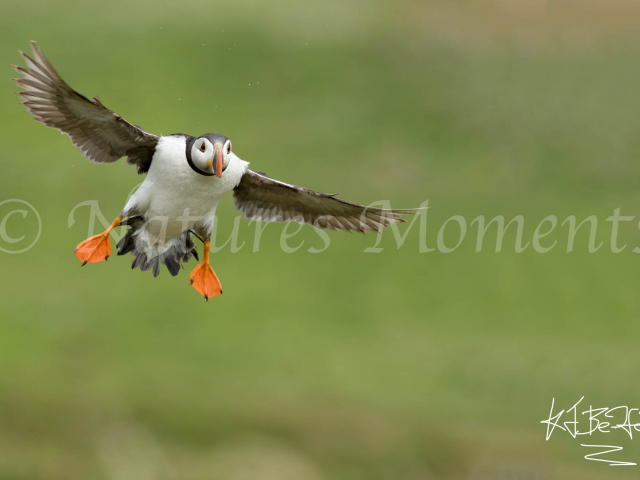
[180, 252]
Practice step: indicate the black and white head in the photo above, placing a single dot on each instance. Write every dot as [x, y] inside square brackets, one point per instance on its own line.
[209, 154]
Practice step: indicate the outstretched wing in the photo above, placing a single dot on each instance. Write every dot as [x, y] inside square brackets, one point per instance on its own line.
[262, 198]
[103, 136]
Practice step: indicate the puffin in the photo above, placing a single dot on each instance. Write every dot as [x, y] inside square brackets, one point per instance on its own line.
[186, 177]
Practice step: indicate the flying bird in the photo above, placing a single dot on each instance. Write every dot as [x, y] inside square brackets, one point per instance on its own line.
[186, 178]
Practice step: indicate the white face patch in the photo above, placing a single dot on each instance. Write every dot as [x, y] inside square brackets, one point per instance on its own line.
[202, 155]
[226, 154]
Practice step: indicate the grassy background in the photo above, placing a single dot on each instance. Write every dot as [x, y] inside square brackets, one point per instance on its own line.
[341, 365]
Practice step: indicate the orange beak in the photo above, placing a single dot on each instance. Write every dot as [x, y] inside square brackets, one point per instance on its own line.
[217, 157]
[219, 163]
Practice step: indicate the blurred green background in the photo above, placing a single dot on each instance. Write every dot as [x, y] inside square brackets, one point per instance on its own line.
[343, 364]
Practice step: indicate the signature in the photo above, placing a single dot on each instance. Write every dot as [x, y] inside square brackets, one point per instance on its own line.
[600, 420]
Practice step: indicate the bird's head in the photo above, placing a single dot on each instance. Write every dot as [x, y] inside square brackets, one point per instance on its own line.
[210, 153]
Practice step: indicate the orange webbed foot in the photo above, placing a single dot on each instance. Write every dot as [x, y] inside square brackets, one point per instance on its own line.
[94, 249]
[97, 248]
[205, 281]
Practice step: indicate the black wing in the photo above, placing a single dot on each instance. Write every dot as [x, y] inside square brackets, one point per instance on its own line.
[262, 198]
[103, 136]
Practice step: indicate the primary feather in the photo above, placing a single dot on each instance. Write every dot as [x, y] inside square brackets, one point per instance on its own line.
[102, 135]
[262, 198]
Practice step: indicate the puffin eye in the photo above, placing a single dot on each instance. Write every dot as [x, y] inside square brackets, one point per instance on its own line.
[229, 149]
[203, 147]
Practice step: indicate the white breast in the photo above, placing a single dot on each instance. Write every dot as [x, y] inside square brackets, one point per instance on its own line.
[174, 197]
